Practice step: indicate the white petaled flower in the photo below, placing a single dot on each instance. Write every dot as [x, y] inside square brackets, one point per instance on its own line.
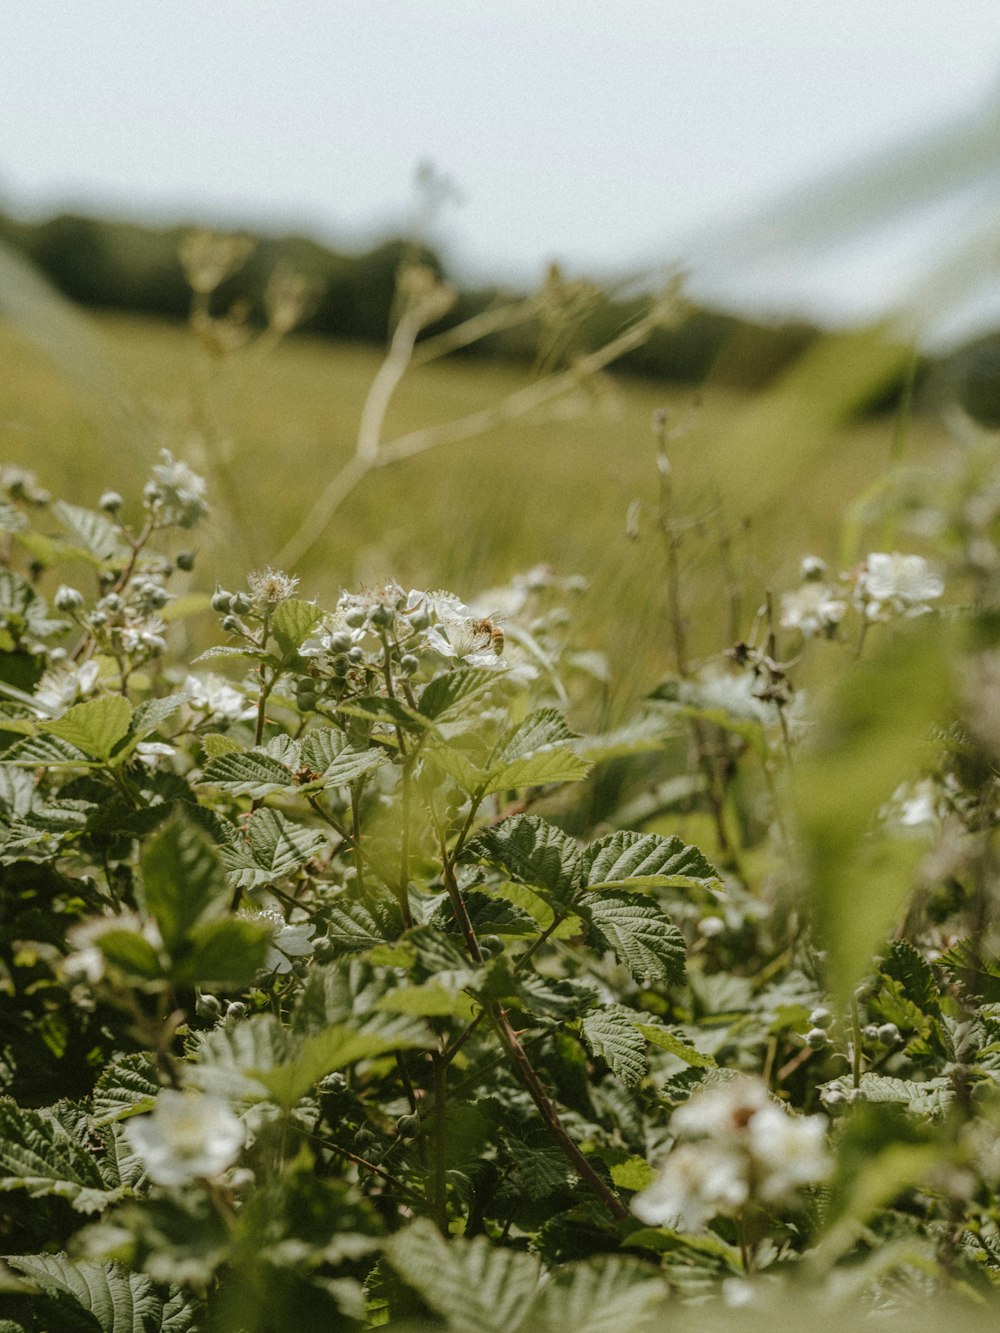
[720, 1112]
[788, 1151]
[900, 583]
[214, 696]
[812, 609]
[735, 1142]
[63, 687]
[188, 1137]
[271, 586]
[694, 1184]
[181, 491]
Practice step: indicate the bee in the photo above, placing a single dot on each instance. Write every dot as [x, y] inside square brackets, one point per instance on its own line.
[490, 633]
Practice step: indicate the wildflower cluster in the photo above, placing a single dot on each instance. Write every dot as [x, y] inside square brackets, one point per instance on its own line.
[736, 1147]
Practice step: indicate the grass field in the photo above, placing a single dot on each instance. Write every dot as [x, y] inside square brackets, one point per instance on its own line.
[773, 476]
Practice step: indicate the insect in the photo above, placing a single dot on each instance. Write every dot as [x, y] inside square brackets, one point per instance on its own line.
[491, 634]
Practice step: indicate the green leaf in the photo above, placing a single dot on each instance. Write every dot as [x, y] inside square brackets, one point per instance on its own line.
[355, 926]
[216, 743]
[979, 973]
[90, 533]
[669, 1041]
[118, 1301]
[96, 726]
[322, 1054]
[292, 623]
[476, 1286]
[328, 752]
[611, 1032]
[635, 1173]
[126, 1086]
[275, 847]
[247, 773]
[533, 852]
[229, 1059]
[490, 915]
[40, 1156]
[44, 751]
[183, 880]
[639, 933]
[228, 954]
[610, 1294]
[534, 753]
[911, 969]
[629, 856]
[445, 694]
[932, 1098]
[132, 953]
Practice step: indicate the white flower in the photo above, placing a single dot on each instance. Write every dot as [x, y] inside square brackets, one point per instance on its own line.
[58, 690]
[695, 1183]
[788, 1151]
[181, 491]
[188, 1137]
[900, 583]
[735, 1141]
[214, 696]
[720, 1112]
[812, 609]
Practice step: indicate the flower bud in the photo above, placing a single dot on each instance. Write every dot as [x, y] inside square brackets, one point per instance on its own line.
[222, 601]
[821, 1017]
[355, 617]
[408, 664]
[111, 502]
[817, 1038]
[67, 599]
[356, 655]
[232, 624]
[340, 642]
[381, 615]
[241, 603]
[185, 561]
[888, 1033]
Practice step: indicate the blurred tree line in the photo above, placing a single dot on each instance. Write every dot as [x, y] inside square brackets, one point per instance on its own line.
[135, 268]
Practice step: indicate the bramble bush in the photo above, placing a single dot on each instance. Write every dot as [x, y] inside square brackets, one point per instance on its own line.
[312, 1008]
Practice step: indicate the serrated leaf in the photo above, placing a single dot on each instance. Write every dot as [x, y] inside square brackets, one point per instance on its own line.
[669, 1041]
[534, 753]
[325, 1052]
[537, 770]
[40, 1156]
[125, 1087]
[247, 773]
[611, 1032]
[445, 694]
[440, 997]
[455, 764]
[639, 933]
[117, 1300]
[216, 743]
[292, 623]
[355, 926]
[911, 969]
[476, 1286]
[533, 852]
[183, 880]
[43, 751]
[610, 1294]
[232, 653]
[490, 915]
[635, 1173]
[227, 1057]
[642, 737]
[932, 1098]
[275, 847]
[89, 532]
[328, 752]
[227, 954]
[96, 726]
[631, 856]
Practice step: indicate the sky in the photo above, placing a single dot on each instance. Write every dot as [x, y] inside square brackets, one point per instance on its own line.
[610, 136]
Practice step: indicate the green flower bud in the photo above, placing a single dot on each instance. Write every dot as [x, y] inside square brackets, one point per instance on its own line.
[111, 502]
[355, 617]
[185, 561]
[408, 664]
[340, 642]
[67, 599]
[222, 601]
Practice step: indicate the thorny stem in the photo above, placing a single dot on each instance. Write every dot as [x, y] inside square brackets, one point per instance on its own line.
[440, 1202]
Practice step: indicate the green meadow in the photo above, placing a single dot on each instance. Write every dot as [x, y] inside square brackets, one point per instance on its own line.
[758, 480]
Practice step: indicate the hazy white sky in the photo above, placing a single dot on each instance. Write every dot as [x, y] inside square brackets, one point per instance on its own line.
[601, 133]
